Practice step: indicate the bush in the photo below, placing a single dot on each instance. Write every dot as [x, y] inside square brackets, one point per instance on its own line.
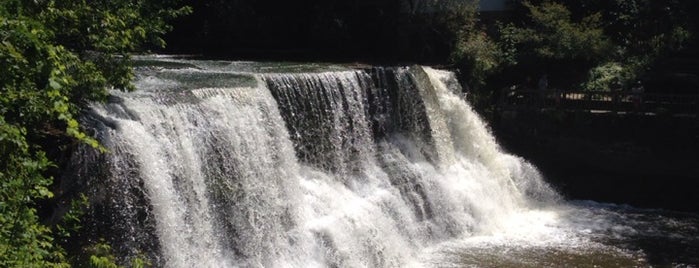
[55, 57]
[609, 76]
[552, 34]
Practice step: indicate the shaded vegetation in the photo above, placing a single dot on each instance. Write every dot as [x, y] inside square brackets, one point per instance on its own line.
[313, 30]
[55, 56]
[595, 45]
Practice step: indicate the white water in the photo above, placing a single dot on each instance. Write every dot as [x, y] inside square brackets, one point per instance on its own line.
[322, 169]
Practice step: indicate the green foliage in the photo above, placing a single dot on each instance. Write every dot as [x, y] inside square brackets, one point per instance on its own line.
[476, 55]
[472, 51]
[28, 63]
[96, 255]
[639, 40]
[56, 56]
[602, 44]
[140, 263]
[105, 31]
[70, 222]
[607, 77]
[508, 40]
[552, 34]
[23, 241]
[647, 26]
[101, 256]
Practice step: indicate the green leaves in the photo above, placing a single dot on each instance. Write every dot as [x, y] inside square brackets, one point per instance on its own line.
[55, 57]
[472, 50]
[596, 45]
[24, 242]
[117, 26]
[553, 34]
[478, 56]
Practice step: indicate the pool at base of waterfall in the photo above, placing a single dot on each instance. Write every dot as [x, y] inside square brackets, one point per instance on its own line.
[578, 234]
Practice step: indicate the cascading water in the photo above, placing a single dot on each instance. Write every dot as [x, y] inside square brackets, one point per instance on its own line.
[219, 164]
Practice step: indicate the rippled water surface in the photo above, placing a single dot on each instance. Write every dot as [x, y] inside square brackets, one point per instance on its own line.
[580, 234]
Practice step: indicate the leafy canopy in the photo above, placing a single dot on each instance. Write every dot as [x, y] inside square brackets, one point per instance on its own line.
[602, 44]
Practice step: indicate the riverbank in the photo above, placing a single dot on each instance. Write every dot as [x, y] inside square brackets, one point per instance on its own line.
[640, 160]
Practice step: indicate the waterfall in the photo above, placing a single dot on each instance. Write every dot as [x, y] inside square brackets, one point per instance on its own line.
[215, 164]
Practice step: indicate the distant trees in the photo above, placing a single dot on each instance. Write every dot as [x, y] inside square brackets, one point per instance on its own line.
[357, 30]
[553, 34]
[599, 45]
[55, 56]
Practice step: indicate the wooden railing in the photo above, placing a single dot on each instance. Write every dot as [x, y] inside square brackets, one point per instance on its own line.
[616, 101]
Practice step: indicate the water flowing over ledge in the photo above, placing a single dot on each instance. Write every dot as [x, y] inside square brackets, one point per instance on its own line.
[227, 164]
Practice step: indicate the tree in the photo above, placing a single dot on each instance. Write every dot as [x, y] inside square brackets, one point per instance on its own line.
[607, 44]
[553, 40]
[55, 57]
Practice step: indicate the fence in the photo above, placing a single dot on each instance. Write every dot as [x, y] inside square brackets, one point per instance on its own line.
[591, 101]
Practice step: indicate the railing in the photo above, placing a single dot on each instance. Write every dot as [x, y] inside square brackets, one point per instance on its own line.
[616, 101]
